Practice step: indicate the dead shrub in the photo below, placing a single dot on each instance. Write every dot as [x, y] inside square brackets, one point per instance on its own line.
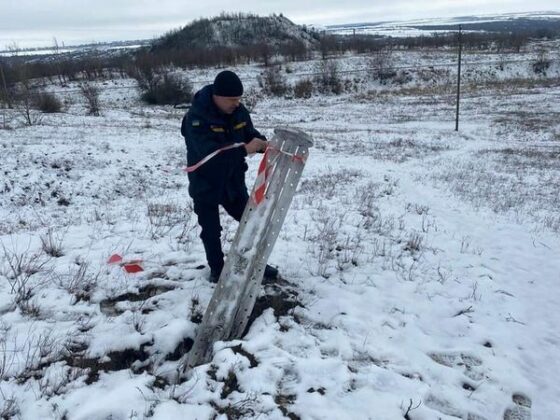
[47, 103]
[542, 63]
[382, 66]
[19, 268]
[51, 243]
[24, 99]
[303, 89]
[164, 217]
[323, 243]
[251, 98]
[273, 82]
[158, 84]
[91, 95]
[166, 89]
[80, 282]
[328, 79]
[8, 407]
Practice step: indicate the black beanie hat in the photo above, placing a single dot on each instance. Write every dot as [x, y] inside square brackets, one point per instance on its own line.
[227, 83]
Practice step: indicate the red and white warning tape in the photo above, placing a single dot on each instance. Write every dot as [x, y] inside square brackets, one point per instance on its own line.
[197, 165]
[262, 177]
[265, 167]
[263, 173]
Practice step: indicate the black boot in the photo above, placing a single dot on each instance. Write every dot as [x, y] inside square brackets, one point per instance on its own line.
[270, 273]
[214, 276]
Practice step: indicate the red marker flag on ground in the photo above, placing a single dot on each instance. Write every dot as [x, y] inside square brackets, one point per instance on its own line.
[131, 267]
[115, 259]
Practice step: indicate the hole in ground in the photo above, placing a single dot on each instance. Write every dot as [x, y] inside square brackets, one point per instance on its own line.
[282, 302]
[182, 348]
[118, 360]
[108, 306]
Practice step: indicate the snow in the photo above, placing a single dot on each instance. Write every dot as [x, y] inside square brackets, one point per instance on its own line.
[413, 28]
[423, 262]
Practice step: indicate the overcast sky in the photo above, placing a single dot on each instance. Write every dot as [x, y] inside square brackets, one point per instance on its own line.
[37, 22]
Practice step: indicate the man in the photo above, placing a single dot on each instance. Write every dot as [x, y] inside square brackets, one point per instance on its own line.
[217, 119]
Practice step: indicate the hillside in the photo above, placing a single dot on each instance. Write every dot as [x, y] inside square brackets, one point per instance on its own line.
[237, 30]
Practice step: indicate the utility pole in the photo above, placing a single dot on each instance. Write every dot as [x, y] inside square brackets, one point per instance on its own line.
[458, 81]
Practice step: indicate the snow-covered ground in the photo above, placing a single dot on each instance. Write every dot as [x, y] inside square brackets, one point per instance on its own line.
[420, 265]
[424, 27]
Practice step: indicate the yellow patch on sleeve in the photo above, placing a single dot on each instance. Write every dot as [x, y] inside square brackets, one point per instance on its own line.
[240, 125]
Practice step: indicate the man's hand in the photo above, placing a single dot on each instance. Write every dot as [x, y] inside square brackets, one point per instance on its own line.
[256, 145]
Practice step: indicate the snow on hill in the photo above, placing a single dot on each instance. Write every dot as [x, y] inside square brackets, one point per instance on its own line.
[499, 23]
[235, 31]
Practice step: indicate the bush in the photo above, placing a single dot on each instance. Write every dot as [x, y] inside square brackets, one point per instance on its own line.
[303, 89]
[91, 95]
[166, 89]
[328, 80]
[382, 66]
[47, 102]
[273, 82]
[24, 104]
[157, 84]
[251, 98]
[541, 65]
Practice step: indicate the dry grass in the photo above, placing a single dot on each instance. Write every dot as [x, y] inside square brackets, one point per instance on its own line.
[525, 158]
[326, 184]
[532, 125]
[511, 86]
[399, 150]
[520, 181]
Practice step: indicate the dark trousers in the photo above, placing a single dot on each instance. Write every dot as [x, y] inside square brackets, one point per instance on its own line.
[209, 220]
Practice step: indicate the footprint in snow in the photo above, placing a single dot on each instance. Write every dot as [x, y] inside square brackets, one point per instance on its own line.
[445, 407]
[470, 365]
[521, 409]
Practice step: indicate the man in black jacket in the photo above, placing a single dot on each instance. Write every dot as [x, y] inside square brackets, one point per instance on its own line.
[219, 134]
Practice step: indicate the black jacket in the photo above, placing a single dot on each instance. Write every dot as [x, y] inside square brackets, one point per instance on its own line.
[207, 129]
